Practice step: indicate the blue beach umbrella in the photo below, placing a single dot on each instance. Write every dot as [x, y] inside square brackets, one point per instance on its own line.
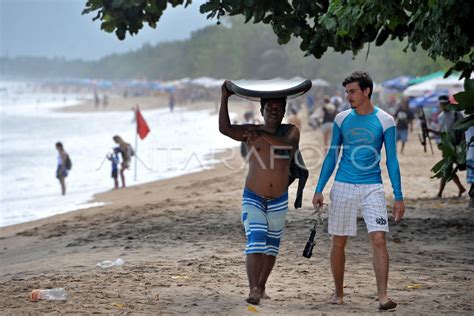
[399, 83]
[429, 100]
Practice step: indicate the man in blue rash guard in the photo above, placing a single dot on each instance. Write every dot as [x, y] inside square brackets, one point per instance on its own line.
[360, 131]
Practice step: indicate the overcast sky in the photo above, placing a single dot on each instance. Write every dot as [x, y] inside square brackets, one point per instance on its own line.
[56, 28]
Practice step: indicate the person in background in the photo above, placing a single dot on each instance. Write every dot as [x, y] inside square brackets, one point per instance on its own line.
[293, 117]
[126, 151]
[105, 101]
[470, 165]
[114, 159]
[171, 101]
[96, 99]
[61, 170]
[446, 120]
[404, 119]
[309, 103]
[329, 113]
[338, 101]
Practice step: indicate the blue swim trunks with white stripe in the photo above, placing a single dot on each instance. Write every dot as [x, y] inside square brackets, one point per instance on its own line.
[263, 220]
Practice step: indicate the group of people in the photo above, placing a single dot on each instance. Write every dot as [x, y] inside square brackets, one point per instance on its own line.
[361, 131]
[105, 100]
[442, 122]
[120, 156]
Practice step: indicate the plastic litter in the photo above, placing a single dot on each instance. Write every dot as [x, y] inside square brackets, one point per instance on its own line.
[250, 308]
[57, 294]
[109, 264]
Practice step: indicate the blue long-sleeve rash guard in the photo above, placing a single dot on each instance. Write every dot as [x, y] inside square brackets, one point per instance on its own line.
[361, 137]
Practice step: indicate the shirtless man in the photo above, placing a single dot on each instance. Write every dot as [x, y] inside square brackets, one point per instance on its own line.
[265, 196]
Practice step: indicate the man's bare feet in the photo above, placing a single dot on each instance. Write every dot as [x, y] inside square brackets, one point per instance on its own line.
[337, 300]
[265, 296]
[461, 191]
[388, 305]
[254, 296]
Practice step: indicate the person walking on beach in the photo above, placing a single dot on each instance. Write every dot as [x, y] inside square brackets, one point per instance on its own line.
[329, 113]
[126, 151]
[404, 119]
[63, 166]
[446, 120]
[361, 131]
[293, 117]
[469, 134]
[265, 198]
[171, 101]
[114, 159]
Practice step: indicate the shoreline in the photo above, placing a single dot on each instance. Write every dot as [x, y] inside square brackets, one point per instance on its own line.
[86, 106]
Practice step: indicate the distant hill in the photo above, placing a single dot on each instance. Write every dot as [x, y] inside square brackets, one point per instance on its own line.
[234, 51]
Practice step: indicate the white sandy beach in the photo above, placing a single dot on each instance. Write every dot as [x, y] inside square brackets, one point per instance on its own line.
[182, 242]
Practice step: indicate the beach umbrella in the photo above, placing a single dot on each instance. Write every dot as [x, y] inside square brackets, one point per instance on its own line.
[438, 74]
[452, 83]
[207, 82]
[140, 84]
[297, 79]
[156, 85]
[320, 83]
[399, 83]
[428, 100]
[104, 84]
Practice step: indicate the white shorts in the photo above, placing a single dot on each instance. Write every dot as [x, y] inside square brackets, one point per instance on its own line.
[347, 199]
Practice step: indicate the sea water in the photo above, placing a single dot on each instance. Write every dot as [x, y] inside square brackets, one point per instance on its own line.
[180, 142]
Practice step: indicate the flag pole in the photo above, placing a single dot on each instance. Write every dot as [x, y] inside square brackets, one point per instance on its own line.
[136, 142]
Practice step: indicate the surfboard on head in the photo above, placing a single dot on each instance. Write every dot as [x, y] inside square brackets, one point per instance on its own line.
[256, 90]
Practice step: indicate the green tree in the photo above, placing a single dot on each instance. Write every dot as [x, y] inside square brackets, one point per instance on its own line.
[441, 27]
[234, 51]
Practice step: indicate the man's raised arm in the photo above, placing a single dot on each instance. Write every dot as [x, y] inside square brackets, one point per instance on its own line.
[237, 132]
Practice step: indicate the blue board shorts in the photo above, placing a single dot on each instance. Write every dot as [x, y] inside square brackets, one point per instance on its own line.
[60, 174]
[264, 220]
[402, 135]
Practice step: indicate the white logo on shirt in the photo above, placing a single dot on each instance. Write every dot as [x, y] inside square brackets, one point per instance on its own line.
[359, 136]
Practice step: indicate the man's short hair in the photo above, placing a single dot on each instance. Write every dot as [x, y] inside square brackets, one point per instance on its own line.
[263, 102]
[444, 98]
[362, 78]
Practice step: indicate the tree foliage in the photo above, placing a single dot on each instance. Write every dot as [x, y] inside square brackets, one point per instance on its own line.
[454, 154]
[442, 28]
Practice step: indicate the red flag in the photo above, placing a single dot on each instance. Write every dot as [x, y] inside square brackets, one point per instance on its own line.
[142, 126]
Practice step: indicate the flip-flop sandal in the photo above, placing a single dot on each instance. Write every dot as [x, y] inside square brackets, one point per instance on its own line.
[387, 306]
